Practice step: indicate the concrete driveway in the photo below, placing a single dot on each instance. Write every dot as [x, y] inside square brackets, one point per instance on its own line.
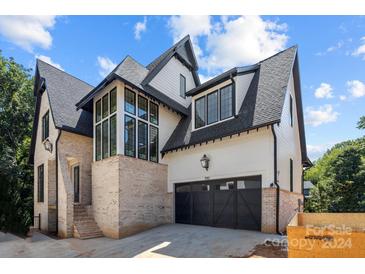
[174, 240]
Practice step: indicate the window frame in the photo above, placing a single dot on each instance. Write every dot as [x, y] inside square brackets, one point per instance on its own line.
[138, 108]
[110, 135]
[105, 98]
[183, 92]
[291, 175]
[146, 140]
[204, 111]
[74, 167]
[207, 109]
[114, 93]
[134, 133]
[45, 126]
[291, 109]
[125, 101]
[220, 102]
[149, 113]
[157, 143]
[40, 179]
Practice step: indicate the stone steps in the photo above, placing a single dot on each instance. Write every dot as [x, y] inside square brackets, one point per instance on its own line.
[85, 226]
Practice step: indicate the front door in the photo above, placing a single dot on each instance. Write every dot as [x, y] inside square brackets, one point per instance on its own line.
[76, 180]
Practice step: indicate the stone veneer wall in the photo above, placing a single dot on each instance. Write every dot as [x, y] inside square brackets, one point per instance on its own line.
[287, 209]
[129, 195]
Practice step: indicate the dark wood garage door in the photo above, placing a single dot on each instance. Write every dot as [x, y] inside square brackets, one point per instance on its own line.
[231, 203]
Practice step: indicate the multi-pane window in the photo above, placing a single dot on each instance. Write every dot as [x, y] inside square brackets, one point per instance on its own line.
[142, 108]
[291, 110]
[226, 102]
[212, 107]
[106, 126]
[153, 113]
[182, 86]
[129, 136]
[142, 140]
[76, 179]
[41, 183]
[140, 137]
[215, 106]
[130, 101]
[45, 126]
[153, 144]
[200, 112]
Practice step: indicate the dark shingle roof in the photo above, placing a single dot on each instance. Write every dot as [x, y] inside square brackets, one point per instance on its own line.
[64, 91]
[262, 104]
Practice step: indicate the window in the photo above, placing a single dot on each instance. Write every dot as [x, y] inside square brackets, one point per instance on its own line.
[41, 183]
[226, 101]
[142, 108]
[153, 144]
[130, 101]
[106, 126]
[129, 136]
[45, 126]
[142, 140]
[113, 101]
[153, 113]
[212, 107]
[105, 105]
[98, 142]
[113, 135]
[291, 175]
[98, 111]
[182, 86]
[105, 135]
[200, 112]
[76, 179]
[291, 110]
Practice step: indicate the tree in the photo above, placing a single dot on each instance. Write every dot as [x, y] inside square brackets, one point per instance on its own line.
[16, 176]
[361, 123]
[339, 179]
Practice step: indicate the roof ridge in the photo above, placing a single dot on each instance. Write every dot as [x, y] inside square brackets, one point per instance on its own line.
[282, 51]
[134, 59]
[69, 74]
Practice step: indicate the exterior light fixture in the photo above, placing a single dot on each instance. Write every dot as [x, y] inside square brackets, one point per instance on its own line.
[204, 161]
[47, 145]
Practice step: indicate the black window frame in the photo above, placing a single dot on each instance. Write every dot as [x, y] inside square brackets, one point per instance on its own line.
[141, 98]
[40, 177]
[105, 98]
[98, 116]
[125, 101]
[207, 107]
[113, 94]
[134, 135]
[76, 184]
[146, 144]
[204, 112]
[291, 110]
[291, 175]
[45, 126]
[111, 151]
[157, 114]
[182, 91]
[105, 151]
[150, 144]
[98, 139]
[233, 102]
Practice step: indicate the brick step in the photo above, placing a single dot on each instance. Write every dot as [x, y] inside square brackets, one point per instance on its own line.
[85, 226]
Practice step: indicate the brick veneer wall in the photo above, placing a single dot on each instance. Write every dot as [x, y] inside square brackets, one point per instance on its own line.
[129, 195]
[287, 209]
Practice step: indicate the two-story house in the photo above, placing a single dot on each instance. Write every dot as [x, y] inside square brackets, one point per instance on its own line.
[151, 145]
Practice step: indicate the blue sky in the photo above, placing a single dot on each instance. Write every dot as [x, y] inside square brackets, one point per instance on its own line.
[331, 52]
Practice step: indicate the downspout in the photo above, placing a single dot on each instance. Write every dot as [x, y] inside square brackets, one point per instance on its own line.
[56, 152]
[276, 179]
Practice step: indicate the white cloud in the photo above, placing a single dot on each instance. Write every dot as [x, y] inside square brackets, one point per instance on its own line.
[322, 115]
[356, 88]
[48, 60]
[28, 32]
[203, 78]
[343, 97]
[324, 91]
[231, 41]
[316, 151]
[360, 51]
[105, 65]
[140, 27]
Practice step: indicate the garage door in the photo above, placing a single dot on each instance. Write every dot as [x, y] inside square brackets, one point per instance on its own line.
[231, 203]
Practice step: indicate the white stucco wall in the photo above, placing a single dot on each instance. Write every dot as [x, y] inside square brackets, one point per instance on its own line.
[168, 80]
[289, 144]
[244, 155]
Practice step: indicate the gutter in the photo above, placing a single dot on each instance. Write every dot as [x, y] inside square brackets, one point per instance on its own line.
[276, 179]
[56, 155]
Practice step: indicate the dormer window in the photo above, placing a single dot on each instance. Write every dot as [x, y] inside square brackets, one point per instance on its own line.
[214, 107]
[182, 86]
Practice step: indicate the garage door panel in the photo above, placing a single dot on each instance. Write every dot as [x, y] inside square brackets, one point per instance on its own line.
[183, 204]
[223, 209]
[201, 208]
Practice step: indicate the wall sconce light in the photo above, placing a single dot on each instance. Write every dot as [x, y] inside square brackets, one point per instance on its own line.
[204, 161]
[47, 145]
